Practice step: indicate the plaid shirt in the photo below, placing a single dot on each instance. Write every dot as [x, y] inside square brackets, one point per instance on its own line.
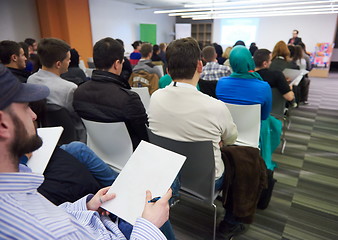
[214, 71]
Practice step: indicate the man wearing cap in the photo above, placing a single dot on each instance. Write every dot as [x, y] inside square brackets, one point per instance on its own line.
[27, 214]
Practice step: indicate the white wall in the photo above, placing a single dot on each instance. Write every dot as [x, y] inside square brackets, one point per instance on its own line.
[18, 20]
[312, 29]
[114, 19]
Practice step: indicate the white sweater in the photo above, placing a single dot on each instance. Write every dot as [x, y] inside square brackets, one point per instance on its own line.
[182, 113]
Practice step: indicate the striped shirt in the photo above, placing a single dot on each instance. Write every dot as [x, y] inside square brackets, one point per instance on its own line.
[26, 214]
[214, 71]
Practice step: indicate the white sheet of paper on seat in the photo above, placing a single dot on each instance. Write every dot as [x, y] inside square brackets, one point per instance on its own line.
[149, 168]
[40, 157]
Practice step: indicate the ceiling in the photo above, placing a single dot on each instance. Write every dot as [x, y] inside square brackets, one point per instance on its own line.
[212, 9]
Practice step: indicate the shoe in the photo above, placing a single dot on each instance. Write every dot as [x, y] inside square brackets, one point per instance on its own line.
[229, 230]
[305, 102]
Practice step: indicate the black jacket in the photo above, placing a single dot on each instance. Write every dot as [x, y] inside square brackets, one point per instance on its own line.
[22, 75]
[108, 98]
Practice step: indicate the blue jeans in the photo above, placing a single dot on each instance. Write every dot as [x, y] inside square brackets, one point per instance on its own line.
[98, 168]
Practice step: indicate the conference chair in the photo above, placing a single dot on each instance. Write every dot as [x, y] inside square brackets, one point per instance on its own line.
[247, 119]
[197, 176]
[56, 115]
[279, 112]
[110, 141]
[144, 95]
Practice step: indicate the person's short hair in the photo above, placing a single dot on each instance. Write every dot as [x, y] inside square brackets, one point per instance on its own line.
[25, 48]
[74, 58]
[52, 50]
[136, 44]
[209, 53]
[120, 41]
[156, 48]
[146, 48]
[182, 58]
[296, 31]
[281, 49]
[106, 52]
[30, 41]
[7, 49]
[260, 56]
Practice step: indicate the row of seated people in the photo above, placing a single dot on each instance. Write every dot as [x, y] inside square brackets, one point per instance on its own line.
[106, 98]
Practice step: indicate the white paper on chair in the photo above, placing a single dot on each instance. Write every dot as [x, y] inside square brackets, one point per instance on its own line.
[40, 157]
[149, 168]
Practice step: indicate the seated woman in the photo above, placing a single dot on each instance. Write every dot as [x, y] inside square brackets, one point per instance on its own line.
[281, 58]
[246, 87]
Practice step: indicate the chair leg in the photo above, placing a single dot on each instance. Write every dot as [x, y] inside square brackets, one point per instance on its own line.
[215, 221]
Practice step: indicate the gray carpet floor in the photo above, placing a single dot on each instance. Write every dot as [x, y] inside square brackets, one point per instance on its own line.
[304, 204]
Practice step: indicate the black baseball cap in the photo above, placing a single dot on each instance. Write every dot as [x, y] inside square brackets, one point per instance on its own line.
[12, 90]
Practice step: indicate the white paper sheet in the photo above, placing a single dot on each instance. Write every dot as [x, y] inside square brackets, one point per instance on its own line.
[40, 158]
[149, 168]
[294, 75]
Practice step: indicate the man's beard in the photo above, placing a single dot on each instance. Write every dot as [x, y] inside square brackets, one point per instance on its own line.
[22, 143]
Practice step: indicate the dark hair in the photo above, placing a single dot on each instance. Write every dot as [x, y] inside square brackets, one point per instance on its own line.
[298, 55]
[74, 58]
[260, 56]
[218, 49]
[156, 48]
[7, 49]
[146, 48]
[182, 58]
[208, 53]
[120, 41]
[302, 46]
[30, 41]
[292, 50]
[240, 43]
[25, 48]
[253, 48]
[136, 44]
[52, 50]
[296, 31]
[106, 52]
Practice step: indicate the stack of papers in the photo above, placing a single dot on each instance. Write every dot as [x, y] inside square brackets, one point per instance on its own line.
[149, 168]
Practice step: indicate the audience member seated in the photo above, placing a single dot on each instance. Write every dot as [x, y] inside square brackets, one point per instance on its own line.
[135, 56]
[219, 52]
[163, 47]
[107, 97]
[13, 57]
[276, 79]
[54, 55]
[145, 62]
[306, 56]
[182, 113]
[33, 214]
[305, 83]
[156, 51]
[212, 71]
[32, 50]
[253, 48]
[74, 73]
[281, 58]
[244, 86]
[126, 68]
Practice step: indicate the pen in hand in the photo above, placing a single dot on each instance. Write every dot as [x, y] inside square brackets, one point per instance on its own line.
[155, 199]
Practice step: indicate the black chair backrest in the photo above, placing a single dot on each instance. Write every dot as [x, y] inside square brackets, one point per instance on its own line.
[197, 175]
[278, 104]
[208, 87]
[59, 116]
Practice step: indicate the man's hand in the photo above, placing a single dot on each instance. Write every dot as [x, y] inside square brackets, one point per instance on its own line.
[157, 213]
[100, 197]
